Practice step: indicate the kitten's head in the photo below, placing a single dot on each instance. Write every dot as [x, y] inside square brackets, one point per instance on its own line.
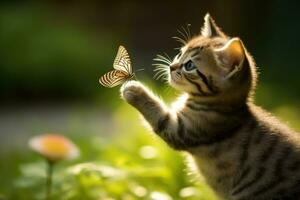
[213, 66]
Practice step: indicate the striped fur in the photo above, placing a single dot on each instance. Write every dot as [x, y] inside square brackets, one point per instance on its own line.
[243, 152]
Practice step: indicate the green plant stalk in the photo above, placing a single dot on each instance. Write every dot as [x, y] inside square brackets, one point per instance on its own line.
[50, 165]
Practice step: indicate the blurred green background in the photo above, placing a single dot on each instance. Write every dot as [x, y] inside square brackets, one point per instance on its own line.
[52, 54]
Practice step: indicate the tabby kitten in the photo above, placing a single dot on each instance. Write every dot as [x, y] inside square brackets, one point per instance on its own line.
[241, 150]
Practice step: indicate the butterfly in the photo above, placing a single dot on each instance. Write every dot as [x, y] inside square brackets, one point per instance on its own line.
[122, 70]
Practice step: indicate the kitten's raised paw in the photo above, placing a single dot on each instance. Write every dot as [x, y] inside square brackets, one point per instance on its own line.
[132, 91]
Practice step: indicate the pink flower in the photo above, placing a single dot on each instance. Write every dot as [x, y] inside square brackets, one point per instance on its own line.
[54, 147]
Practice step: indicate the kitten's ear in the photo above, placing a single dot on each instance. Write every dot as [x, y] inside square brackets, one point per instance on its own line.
[210, 28]
[231, 55]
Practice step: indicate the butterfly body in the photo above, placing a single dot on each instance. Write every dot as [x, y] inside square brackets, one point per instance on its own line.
[122, 70]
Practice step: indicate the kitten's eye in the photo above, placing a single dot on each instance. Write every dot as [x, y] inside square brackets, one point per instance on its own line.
[189, 66]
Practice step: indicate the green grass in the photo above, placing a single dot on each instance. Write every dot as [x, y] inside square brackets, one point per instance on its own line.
[128, 163]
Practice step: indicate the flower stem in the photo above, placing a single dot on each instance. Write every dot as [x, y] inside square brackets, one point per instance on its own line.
[49, 179]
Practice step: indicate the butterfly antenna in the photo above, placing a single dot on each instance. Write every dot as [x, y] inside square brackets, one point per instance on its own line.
[139, 70]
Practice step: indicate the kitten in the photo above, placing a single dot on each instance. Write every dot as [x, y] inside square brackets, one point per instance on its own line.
[241, 150]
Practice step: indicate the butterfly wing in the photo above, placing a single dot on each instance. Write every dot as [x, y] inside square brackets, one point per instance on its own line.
[113, 78]
[122, 61]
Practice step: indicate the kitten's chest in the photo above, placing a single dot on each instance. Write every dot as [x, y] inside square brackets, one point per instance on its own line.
[216, 164]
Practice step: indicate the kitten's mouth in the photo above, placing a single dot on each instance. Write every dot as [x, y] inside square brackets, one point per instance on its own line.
[175, 79]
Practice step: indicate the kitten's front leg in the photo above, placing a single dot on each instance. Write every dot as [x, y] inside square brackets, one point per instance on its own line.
[140, 97]
[162, 120]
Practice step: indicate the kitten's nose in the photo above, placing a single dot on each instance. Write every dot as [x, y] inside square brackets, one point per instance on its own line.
[174, 67]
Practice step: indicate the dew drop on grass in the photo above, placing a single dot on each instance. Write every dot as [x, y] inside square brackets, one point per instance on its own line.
[187, 192]
[159, 196]
[148, 152]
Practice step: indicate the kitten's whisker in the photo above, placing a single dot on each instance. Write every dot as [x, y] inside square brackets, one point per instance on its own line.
[161, 66]
[180, 40]
[161, 75]
[165, 79]
[159, 69]
[183, 35]
[163, 62]
[186, 33]
[167, 56]
[158, 75]
[164, 58]
[187, 30]
[161, 56]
